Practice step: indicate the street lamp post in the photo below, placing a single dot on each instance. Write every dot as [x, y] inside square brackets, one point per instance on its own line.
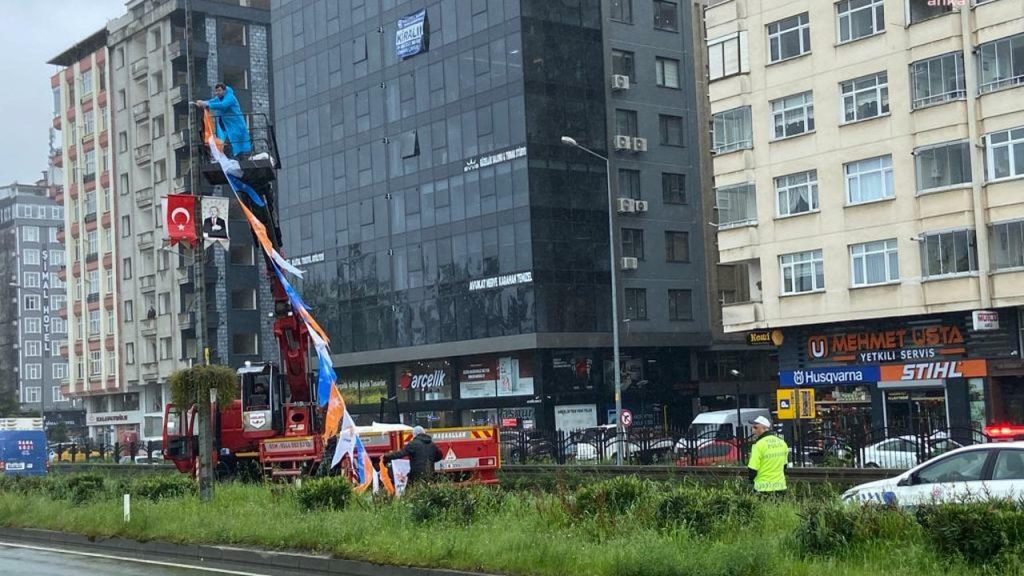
[740, 437]
[615, 296]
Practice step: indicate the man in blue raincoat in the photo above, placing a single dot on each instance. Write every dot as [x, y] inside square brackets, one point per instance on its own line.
[231, 126]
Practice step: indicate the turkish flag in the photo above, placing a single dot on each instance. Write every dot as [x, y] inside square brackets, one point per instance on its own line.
[180, 218]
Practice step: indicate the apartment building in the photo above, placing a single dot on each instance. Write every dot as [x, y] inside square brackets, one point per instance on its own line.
[869, 157]
[164, 54]
[83, 116]
[31, 331]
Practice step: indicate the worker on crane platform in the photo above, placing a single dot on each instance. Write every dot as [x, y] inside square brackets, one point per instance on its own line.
[231, 126]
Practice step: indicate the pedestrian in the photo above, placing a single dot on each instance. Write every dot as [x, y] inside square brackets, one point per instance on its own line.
[231, 126]
[422, 454]
[768, 459]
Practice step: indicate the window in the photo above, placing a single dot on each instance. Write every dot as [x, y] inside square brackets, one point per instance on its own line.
[30, 233]
[869, 180]
[736, 205]
[625, 123]
[727, 56]
[623, 63]
[1004, 154]
[793, 115]
[159, 127]
[680, 305]
[60, 371]
[673, 188]
[164, 303]
[31, 302]
[57, 395]
[156, 83]
[57, 257]
[636, 303]
[667, 72]
[95, 363]
[129, 311]
[243, 299]
[159, 171]
[947, 253]
[33, 394]
[925, 9]
[91, 243]
[33, 348]
[621, 10]
[666, 16]
[238, 77]
[633, 243]
[1002, 63]
[85, 82]
[126, 226]
[58, 325]
[32, 325]
[1009, 465]
[874, 263]
[732, 130]
[671, 130]
[31, 279]
[242, 255]
[938, 80]
[802, 272]
[125, 189]
[962, 467]
[677, 246]
[129, 353]
[789, 38]
[31, 257]
[943, 165]
[94, 322]
[51, 235]
[232, 33]
[797, 193]
[1008, 245]
[166, 349]
[88, 124]
[126, 266]
[58, 302]
[860, 18]
[865, 97]
[629, 184]
[245, 344]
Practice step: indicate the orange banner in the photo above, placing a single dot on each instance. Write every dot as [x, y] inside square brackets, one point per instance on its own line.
[935, 370]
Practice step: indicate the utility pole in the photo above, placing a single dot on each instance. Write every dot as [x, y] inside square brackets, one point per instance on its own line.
[205, 414]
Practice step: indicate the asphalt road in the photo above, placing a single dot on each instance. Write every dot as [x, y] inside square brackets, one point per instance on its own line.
[17, 561]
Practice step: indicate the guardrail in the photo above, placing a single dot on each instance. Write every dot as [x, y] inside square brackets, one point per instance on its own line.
[711, 474]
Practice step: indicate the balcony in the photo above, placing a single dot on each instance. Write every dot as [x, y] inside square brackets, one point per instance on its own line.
[178, 49]
[179, 94]
[140, 67]
[186, 277]
[179, 139]
[145, 240]
[180, 184]
[742, 315]
[144, 197]
[149, 327]
[141, 111]
[143, 154]
[148, 283]
[186, 320]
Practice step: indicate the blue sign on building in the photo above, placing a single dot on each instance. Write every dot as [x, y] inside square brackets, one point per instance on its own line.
[831, 376]
[413, 35]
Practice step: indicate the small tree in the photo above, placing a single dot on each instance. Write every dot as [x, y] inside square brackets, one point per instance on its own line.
[193, 385]
[59, 433]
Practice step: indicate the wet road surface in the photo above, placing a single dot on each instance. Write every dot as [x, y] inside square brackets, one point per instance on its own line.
[18, 561]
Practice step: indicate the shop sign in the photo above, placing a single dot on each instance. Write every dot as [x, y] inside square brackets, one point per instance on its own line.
[501, 281]
[429, 381]
[492, 159]
[832, 376]
[765, 338]
[112, 418]
[856, 375]
[490, 377]
[935, 370]
[985, 319]
[575, 417]
[896, 345]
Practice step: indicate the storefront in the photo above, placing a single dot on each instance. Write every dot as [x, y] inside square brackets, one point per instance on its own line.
[914, 374]
[110, 427]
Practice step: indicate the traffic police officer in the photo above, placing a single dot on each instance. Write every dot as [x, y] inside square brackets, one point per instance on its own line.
[768, 459]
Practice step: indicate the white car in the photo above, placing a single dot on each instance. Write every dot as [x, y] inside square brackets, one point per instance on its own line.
[903, 451]
[978, 472]
[599, 443]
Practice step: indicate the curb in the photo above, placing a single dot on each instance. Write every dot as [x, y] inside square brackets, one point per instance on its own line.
[222, 557]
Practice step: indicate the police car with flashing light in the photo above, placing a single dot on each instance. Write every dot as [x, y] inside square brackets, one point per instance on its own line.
[972, 473]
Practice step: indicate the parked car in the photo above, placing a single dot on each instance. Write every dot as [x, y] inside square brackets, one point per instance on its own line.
[718, 425]
[904, 451]
[971, 473]
[643, 447]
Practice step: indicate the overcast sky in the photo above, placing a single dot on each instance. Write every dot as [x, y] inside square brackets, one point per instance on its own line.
[32, 32]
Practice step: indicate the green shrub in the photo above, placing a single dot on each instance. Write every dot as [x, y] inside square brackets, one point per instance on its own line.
[162, 486]
[82, 488]
[331, 493]
[704, 509]
[977, 532]
[615, 497]
[444, 501]
[828, 528]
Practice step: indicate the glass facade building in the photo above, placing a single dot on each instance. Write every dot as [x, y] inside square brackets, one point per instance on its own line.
[455, 251]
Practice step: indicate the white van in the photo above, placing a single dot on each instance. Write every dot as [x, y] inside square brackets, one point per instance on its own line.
[719, 425]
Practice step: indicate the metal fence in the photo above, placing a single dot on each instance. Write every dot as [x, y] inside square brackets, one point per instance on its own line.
[261, 138]
[99, 452]
[810, 446]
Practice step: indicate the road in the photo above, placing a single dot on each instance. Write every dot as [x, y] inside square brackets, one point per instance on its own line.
[16, 560]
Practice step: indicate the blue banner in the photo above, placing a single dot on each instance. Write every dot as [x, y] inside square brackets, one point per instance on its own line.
[413, 34]
[831, 376]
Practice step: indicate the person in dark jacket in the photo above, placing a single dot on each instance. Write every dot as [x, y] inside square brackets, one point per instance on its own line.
[231, 127]
[422, 454]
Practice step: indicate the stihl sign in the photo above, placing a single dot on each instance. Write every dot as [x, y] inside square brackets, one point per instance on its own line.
[935, 370]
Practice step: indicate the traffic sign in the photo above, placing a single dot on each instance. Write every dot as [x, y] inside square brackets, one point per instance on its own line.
[785, 401]
[627, 418]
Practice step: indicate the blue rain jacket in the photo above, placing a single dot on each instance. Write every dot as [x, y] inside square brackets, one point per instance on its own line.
[231, 125]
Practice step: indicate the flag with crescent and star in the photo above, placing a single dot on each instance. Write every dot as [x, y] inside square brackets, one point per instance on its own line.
[180, 218]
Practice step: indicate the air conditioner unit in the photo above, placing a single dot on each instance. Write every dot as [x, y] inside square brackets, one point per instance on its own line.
[629, 263]
[623, 142]
[640, 144]
[627, 206]
[620, 82]
[640, 205]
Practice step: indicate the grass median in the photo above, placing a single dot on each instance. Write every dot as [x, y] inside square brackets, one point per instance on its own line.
[625, 526]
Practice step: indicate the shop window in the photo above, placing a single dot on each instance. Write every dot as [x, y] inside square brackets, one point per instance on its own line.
[362, 387]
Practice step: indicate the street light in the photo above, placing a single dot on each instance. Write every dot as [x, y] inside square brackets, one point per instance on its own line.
[615, 296]
[739, 413]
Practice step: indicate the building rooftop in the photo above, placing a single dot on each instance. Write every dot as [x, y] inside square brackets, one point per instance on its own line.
[81, 49]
